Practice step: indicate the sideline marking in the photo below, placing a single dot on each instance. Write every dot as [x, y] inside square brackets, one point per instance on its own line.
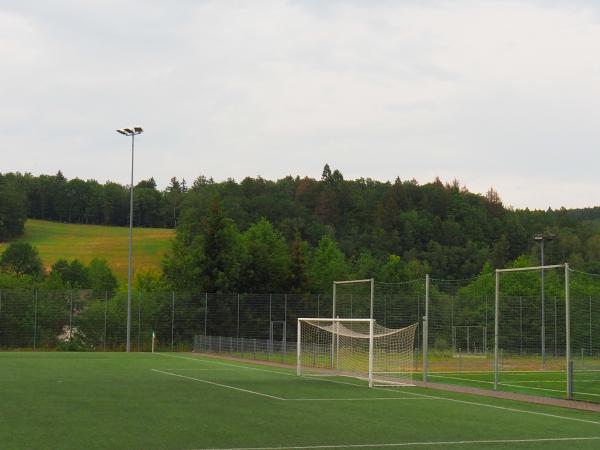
[218, 384]
[353, 399]
[518, 385]
[431, 443]
[465, 402]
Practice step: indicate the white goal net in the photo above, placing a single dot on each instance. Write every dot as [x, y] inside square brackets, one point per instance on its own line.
[356, 347]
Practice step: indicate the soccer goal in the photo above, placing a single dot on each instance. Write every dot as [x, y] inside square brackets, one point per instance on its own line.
[358, 348]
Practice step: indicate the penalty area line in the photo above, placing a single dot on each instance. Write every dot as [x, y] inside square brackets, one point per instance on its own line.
[248, 391]
[418, 443]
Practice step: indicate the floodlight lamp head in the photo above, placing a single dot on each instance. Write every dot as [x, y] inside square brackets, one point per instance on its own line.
[538, 237]
[130, 131]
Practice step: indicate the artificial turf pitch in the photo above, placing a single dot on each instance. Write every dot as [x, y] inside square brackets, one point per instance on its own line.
[185, 401]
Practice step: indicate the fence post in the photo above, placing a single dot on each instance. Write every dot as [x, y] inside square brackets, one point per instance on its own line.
[426, 331]
[105, 311]
[172, 319]
[70, 314]
[35, 319]
[205, 311]
[521, 322]
[139, 322]
[318, 306]
[285, 323]
[590, 308]
[555, 329]
[237, 333]
[568, 333]
[496, 328]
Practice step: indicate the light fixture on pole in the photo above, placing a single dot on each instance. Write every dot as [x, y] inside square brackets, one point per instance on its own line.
[541, 237]
[133, 131]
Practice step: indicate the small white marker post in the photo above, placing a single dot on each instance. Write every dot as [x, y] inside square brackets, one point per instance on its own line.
[153, 339]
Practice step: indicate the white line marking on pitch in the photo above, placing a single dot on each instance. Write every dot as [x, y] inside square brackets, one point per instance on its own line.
[364, 399]
[515, 385]
[199, 370]
[464, 402]
[218, 384]
[430, 443]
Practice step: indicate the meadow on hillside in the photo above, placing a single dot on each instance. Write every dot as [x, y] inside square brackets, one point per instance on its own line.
[84, 242]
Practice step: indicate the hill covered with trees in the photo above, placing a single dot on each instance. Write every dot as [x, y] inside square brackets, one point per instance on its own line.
[296, 234]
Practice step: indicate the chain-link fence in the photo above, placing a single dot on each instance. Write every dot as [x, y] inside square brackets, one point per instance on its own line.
[457, 340]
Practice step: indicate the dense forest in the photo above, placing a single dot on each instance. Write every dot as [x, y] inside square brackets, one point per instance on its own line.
[296, 234]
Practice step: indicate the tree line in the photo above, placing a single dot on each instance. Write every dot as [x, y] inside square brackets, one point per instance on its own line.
[298, 233]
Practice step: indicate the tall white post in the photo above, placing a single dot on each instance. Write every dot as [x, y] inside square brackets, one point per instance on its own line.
[129, 264]
[426, 331]
[496, 328]
[568, 333]
[543, 329]
[372, 296]
[333, 323]
[371, 332]
[298, 349]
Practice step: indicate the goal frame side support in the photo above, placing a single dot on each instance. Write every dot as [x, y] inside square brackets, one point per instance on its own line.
[568, 356]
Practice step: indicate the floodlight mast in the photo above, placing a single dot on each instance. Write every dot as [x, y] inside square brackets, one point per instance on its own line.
[132, 131]
[541, 237]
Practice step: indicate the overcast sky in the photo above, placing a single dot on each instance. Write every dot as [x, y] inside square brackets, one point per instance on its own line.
[492, 93]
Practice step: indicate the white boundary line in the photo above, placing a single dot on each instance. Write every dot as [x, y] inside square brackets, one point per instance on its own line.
[430, 443]
[364, 399]
[464, 402]
[515, 385]
[218, 384]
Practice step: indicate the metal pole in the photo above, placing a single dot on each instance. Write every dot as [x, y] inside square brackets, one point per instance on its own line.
[334, 324]
[543, 330]
[555, 329]
[70, 315]
[521, 322]
[496, 328]
[371, 348]
[172, 321]
[298, 350]
[318, 306]
[590, 300]
[128, 345]
[35, 319]
[568, 333]
[205, 311]
[237, 335]
[372, 297]
[105, 314]
[139, 343]
[426, 331]
[285, 324]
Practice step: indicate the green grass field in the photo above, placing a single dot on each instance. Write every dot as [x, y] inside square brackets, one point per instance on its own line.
[184, 401]
[84, 242]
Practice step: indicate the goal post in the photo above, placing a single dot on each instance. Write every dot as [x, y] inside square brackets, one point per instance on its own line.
[358, 348]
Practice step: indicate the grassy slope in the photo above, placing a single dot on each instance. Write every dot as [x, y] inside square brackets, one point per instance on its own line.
[85, 242]
[115, 400]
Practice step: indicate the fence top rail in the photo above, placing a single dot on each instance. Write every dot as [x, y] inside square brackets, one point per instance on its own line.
[368, 280]
[337, 319]
[523, 269]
